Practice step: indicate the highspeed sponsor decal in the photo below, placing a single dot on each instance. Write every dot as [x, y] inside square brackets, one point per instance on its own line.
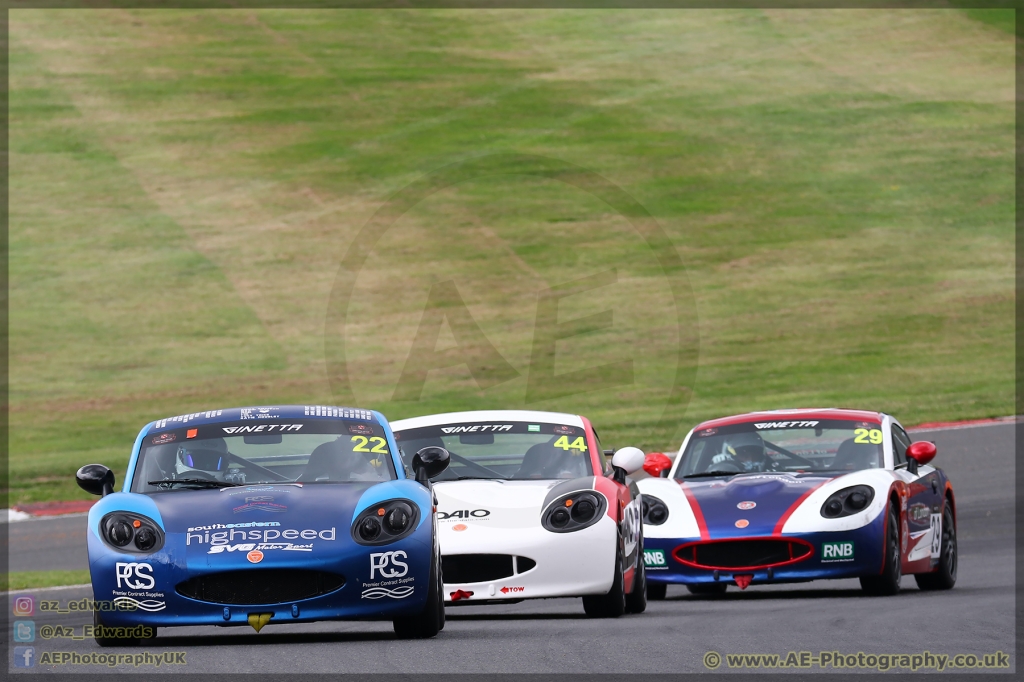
[477, 428]
[786, 425]
[243, 532]
[263, 546]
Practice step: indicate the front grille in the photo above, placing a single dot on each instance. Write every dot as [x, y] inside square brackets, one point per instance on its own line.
[482, 568]
[734, 554]
[260, 586]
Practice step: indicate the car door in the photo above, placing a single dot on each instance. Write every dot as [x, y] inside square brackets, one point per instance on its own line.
[922, 529]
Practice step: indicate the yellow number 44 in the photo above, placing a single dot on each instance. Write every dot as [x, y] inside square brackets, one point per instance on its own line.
[577, 444]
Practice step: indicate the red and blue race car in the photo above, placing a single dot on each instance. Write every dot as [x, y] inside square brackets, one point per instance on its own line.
[797, 495]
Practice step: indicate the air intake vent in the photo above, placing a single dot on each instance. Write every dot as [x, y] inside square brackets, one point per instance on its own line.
[743, 554]
[482, 568]
[260, 586]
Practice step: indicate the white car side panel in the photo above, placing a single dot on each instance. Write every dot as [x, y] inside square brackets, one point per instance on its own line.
[681, 521]
[807, 517]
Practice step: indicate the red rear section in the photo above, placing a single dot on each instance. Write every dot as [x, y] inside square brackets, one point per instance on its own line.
[793, 415]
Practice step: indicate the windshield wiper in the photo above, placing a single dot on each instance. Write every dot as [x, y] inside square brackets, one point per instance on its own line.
[201, 482]
[712, 473]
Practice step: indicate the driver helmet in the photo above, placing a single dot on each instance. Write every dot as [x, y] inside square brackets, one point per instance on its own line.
[747, 449]
[200, 456]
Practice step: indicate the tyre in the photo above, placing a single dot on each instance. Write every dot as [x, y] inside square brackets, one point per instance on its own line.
[613, 604]
[636, 601]
[428, 622]
[656, 591]
[888, 582]
[944, 577]
[97, 622]
[707, 589]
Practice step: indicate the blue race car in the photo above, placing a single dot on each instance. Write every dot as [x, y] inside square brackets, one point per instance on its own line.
[265, 515]
[797, 495]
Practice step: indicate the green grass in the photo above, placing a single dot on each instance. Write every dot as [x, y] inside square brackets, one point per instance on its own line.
[26, 580]
[839, 187]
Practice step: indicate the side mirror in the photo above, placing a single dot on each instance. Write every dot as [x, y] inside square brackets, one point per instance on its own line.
[625, 462]
[920, 453]
[657, 464]
[429, 462]
[95, 479]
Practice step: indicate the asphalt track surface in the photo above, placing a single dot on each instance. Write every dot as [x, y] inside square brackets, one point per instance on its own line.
[673, 636]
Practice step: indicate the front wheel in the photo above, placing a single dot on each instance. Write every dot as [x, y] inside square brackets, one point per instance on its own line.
[888, 582]
[636, 601]
[429, 622]
[613, 604]
[104, 639]
[944, 576]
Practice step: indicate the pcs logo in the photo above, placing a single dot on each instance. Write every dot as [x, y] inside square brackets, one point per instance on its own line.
[135, 576]
[388, 564]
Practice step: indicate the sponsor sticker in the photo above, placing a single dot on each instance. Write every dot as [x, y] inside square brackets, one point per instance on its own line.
[400, 592]
[460, 527]
[260, 503]
[786, 425]
[742, 523]
[360, 429]
[258, 413]
[655, 558]
[746, 505]
[191, 433]
[533, 428]
[463, 514]
[163, 438]
[255, 556]
[136, 576]
[833, 552]
[477, 428]
[564, 430]
[708, 432]
[262, 428]
[508, 590]
[388, 564]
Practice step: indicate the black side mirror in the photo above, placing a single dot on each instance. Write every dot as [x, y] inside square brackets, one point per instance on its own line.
[95, 479]
[429, 462]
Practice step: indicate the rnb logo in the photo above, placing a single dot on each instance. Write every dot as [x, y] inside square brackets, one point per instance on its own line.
[837, 551]
[388, 564]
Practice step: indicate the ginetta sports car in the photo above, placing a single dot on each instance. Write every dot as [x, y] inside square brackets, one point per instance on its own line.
[797, 495]
[265, 515]
[530, 507]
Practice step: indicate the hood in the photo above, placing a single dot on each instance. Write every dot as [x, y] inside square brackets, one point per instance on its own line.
[498, 503]
[748, 504]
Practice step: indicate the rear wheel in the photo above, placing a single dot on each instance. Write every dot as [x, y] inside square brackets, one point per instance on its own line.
[429, 622]
[636, 601]
[944, 577]
[613, 604]
[888, 582]
[708, 589]
[104, 641]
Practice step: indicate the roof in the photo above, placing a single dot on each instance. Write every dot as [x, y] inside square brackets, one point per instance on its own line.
[480, 416]
[797, 414]
[234, 414]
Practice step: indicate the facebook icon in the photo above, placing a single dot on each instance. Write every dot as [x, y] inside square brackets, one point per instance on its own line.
[24, 656]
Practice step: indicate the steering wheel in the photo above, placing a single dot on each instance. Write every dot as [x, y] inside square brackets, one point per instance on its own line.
[246, 465]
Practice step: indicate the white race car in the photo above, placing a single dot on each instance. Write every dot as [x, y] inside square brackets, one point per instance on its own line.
[531, 508]
[797, 495]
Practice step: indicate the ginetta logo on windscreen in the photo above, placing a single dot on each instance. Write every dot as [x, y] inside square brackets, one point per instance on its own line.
[262, 428]
[477, 428]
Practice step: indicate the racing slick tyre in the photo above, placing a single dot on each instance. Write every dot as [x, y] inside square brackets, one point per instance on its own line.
[97, 622]
[613, 604]
[708, 589]
[429, 621]
[888, 582]
[656, 591]
[944, 576]
[636, 601]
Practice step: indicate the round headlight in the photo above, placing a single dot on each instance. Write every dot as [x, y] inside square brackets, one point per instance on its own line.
[857, 501]
[145, 539]
[369, 529]
[120, 533]
[559, 517]
[655, 512]
[583, 510]
[834, 508]
[398, 518]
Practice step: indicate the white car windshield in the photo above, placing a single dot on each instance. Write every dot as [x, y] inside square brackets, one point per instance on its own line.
[814, 445]
[244, 453]
[507, 450]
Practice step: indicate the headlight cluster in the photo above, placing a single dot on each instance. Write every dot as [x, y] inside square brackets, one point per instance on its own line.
[655, 511]
[385, 522]
[131, 533]
[848, 501]
[574, 511]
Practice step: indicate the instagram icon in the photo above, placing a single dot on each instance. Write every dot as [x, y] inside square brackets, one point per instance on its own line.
[24, 606]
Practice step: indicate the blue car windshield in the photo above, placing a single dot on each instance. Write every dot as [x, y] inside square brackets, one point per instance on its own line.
[820, 445]
[244, 453]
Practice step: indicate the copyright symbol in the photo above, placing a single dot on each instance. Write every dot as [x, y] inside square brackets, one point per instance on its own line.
[712, 660]
[46, 632]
